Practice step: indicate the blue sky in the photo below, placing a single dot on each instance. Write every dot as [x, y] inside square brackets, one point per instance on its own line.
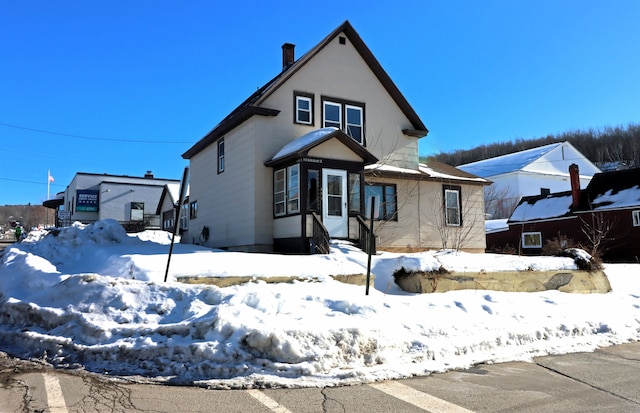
[122, 87]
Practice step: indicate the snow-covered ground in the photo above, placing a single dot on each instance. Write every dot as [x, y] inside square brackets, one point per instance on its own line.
[94, 297]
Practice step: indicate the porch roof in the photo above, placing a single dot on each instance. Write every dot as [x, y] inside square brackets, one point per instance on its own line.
[301, 146]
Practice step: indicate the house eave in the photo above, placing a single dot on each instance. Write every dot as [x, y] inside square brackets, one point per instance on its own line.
[227, 125]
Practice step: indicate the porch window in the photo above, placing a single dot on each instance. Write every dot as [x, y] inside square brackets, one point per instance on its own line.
[452, 213]
[635, 215]
[286, 191]
[346, 116]
[313, 190]
[293, 189]
[303, 108]
[354, 192]
[388, 200]
[531, 240]
[221, 155]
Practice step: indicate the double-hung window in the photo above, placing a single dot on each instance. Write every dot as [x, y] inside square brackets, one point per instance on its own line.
[286, 191]
[346, 116]
[332, 115]
[221, 155]
[452, 212]
[303, 108]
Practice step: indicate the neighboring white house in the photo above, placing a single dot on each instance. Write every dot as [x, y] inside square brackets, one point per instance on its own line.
[536, 171]
[167, 209]
[132, 201]
[300, 159]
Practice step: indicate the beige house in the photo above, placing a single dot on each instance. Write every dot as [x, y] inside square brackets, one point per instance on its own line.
[297, 162]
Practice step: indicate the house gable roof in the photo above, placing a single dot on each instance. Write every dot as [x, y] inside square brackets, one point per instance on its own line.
[611, 190]
[251, 106]
[300, 147]
[508, 163]
[605, 191]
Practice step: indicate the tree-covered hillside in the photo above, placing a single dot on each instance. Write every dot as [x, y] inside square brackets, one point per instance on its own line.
[619, 145]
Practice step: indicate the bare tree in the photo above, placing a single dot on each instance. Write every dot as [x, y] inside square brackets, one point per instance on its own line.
[596, 228]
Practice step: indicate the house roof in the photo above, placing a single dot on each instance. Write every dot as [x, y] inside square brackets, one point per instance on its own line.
[433, 170]
[605, 191]
[611, 190]
[300, 147]
[252, 105]
[508, 163]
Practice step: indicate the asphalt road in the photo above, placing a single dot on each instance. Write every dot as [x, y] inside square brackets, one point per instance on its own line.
[607, 380]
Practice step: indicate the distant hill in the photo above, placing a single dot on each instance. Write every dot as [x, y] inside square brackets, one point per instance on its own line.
[609, 148]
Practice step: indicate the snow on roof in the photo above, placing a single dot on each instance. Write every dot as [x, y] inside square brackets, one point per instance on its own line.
[424, 169]
[552, 206]
[507, 163]
[495, 225]
[625, 198]
[303, 141]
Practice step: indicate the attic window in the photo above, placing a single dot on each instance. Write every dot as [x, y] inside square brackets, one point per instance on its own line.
[342, 40]
[303, 108]
[344, 115]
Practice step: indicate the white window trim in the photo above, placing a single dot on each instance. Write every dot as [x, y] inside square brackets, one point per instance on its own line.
[324, 113]
[299, 109]
[287, 187]
[635, 215]
[538, 245]
[360, 125]
[447, 207]
[221, 156]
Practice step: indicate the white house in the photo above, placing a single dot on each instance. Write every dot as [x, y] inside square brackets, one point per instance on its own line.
[300, 159]
[537, 171]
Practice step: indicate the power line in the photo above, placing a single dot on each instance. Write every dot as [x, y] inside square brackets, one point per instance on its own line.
[87, 137]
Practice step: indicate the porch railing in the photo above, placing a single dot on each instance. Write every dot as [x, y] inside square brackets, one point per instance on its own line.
[320, 236]
[366, 242]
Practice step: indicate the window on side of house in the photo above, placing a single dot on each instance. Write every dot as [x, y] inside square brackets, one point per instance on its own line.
[279, 206]
[346, 116]
[332, 113]
[388, 200]
[452, 212]
[303, 108]
[184, 217]
[221, 156]
[137, 211]
[353, 127]
[531, 240]
[193, 210]
[635, 215]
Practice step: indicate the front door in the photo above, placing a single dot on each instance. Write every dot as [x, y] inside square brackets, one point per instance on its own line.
[334, 202]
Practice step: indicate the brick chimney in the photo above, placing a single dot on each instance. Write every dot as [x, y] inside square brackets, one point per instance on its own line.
[148, 175]
[574, 177]
[288, 55]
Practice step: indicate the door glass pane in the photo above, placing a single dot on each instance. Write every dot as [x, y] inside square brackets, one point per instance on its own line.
[334, 195]
[354, 192]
